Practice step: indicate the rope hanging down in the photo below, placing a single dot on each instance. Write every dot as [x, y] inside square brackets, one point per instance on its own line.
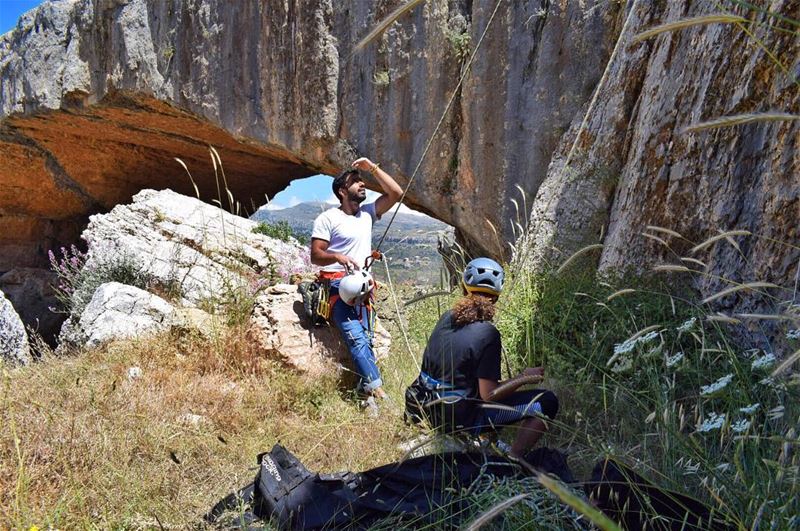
[438, 125]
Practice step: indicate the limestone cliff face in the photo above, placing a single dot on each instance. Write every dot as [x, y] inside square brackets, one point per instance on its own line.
[98, 96]
[636, 166]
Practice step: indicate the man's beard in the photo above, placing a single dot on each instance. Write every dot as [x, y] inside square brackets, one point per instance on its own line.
[357, 197]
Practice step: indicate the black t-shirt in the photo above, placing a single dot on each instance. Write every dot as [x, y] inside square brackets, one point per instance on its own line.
[461, 355]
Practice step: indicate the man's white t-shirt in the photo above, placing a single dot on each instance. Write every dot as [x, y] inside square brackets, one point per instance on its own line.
[346, 234]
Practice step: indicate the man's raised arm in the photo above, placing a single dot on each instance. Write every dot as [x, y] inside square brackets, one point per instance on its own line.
[391, 190]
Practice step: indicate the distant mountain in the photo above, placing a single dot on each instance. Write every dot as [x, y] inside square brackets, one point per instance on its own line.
[301, 217]
[409, 247]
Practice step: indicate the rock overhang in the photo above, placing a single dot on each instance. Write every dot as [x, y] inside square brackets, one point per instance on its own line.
[61, 166]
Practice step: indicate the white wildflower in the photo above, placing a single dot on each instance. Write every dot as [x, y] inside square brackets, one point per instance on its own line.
[708, 390]
[134, 373]
[793, 334]
[685, 327]
[765, 361]
[740, 425]
[624, 348]
[747, 410]
[674, 360]
[712, 422]
[648, 337]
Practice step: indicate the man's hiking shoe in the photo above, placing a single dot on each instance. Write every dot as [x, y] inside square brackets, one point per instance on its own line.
[371, 407]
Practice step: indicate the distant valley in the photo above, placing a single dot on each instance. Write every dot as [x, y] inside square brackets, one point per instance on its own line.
[409, 247]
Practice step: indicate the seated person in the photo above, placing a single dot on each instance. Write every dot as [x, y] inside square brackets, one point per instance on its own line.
[460, 375]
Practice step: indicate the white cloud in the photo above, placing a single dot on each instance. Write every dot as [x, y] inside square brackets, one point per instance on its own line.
[283, 203]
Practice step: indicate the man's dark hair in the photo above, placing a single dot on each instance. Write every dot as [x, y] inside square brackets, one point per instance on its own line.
[341, 180]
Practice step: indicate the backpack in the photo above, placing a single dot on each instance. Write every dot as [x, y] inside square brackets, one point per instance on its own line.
[281, 492]
[288, 495]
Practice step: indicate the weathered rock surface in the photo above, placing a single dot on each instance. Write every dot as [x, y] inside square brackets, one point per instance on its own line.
[635, 166]
[98, 97]
[117, 311]
[196, 251]
[13, 338]
[281, 329]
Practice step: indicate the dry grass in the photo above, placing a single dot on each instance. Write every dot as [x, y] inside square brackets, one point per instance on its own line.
[84, 445]
[739, 119]
[718, 18]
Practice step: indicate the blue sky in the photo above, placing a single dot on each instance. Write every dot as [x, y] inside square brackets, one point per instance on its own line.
[314, 188]
[10, 11]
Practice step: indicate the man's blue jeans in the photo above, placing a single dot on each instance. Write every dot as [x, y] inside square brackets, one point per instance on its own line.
[355, 332]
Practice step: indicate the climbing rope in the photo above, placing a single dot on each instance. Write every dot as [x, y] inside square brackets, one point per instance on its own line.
[441, 120]
[416, 170]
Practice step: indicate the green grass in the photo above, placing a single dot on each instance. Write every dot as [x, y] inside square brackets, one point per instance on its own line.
[646, 406]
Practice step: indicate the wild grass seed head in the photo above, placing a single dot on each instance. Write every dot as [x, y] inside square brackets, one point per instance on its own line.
[674, 360]
[687, 325]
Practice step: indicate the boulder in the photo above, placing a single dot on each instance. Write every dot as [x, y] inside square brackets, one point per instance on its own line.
[282, 330]
[195, 251]
[116, 311]
[192, 253]
[13, 339]
[30, 290]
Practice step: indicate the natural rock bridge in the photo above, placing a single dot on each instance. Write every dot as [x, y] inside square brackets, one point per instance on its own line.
[98, 96]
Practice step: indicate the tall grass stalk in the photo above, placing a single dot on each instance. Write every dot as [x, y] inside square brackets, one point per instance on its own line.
[576, 254]
[384, 24]
[494, 512]
[719, 18]
[740, 119]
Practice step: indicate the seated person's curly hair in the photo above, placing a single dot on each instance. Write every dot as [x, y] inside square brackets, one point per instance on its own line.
[473, 308]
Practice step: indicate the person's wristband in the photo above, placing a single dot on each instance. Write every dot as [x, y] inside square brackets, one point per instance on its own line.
[374, 168]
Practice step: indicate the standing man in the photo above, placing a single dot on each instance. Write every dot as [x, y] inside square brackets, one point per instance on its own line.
[459, 387]
[342, 240]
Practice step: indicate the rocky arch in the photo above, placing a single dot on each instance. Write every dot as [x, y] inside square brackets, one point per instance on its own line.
[62, 166]
[279, 86]
[98, 96]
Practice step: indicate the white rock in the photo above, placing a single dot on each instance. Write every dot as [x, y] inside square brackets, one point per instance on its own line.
[178, 239]
[117, 311]
[13, 338]
[282, 331]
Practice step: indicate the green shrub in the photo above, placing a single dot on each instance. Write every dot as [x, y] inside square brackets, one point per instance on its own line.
[280, 230]
[78, 280]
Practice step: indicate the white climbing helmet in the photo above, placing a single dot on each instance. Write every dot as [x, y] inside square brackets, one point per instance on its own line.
[355, 287]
